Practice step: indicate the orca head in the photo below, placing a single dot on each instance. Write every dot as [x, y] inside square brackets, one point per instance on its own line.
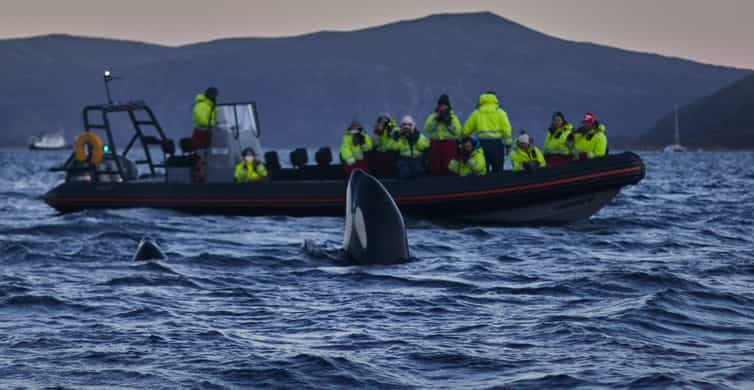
[374, 232]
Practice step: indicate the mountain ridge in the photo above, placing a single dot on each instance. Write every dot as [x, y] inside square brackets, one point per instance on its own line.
[319, 81]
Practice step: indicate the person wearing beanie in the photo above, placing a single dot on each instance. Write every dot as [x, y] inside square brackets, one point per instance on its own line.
[556, 147]
[590, 140]
[469, 159]
[383, 132]
[203, 121]
[443, 128]
[526, 156]
[356, 142]
[410, 144]
[490, 123]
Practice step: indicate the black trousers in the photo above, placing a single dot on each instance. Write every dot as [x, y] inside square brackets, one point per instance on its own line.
[494, 153]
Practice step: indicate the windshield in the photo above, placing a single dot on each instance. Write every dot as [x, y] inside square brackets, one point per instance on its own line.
[237, 118]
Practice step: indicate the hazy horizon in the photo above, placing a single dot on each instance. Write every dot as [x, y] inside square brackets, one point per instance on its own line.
[715, 33]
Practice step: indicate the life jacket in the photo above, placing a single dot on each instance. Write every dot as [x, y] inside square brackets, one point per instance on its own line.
[409, 148]
[204, 112]
[439, 131]
[249, 171]
[351, 153]
[476, 164]
[593, 142]
[519, 157]
[556, 140]
[489, 121]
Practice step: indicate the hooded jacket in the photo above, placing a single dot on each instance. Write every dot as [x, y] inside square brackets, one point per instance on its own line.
[592, 142]
[519, 157]
[489, 121]
[204, 112]
[556, 141]
[440, 131]
[476, 165]
[351, 153]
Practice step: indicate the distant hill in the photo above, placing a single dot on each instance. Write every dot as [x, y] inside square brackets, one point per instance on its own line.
[721, 120]
[309, 87]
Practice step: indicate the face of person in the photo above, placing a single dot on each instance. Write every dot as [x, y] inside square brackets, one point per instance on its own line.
[557, 122]
[523, 146]
[407, 127]
[587, 125]
[381, 124]
[354, 130]
[468, 146]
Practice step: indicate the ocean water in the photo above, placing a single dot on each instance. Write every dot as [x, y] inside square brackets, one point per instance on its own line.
[655, 291]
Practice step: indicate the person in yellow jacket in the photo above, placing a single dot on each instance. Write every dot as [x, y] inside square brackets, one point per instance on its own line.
[356, 142]
[383, 133]
[470, 159]
[444, 130]
[589, 141]
[203, 120]
[526, 156]
[411, 144]
[557, 151]
[249, 169]
[491, 125]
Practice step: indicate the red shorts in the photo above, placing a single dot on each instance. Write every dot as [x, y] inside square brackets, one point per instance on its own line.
[201, 139]
[441, 153]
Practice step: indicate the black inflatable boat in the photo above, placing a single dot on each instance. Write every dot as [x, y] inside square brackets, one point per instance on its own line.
[556, 195]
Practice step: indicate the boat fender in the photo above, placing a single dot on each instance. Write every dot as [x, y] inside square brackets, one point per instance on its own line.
[96, 148]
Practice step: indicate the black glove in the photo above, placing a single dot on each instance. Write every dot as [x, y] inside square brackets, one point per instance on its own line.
[443, 117]
[358, 139]
[412, 137]
[531, 166]
[396, 135]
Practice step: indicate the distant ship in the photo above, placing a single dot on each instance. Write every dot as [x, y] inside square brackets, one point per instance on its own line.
[47, 142]
[676, 147]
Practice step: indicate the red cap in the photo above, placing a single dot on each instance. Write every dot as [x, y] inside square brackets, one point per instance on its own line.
[589, 119]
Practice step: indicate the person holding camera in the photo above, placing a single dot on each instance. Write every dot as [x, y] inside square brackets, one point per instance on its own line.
[469, 160]
[526, 156]
[356, 142]
[411, 144]
[382, 161]
[443, 128]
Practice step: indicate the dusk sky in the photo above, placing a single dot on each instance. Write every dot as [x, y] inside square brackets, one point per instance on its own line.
[720, 32]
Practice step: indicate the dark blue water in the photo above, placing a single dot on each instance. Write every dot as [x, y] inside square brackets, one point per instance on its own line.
[656, 291]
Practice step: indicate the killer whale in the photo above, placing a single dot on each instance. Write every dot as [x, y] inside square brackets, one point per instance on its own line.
[148, 250]
[374, 233]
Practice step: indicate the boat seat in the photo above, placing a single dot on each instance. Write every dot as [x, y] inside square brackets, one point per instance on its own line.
[299, 157]
[323, 157]
[180, 161]
[187, 145]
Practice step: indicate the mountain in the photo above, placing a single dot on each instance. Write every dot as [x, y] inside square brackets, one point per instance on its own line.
[309, 87]
[720, 120]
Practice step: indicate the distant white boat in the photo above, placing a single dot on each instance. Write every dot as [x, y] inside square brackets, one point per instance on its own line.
[47, 142]
[676, 147]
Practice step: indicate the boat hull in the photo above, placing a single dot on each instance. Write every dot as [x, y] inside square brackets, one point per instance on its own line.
[556, 195]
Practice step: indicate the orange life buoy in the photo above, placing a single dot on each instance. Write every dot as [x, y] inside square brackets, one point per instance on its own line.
[95, 146]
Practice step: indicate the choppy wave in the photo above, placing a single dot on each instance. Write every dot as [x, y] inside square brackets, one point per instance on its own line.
[656, 291]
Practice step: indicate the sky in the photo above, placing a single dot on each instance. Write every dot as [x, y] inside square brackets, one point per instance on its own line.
[718, 32]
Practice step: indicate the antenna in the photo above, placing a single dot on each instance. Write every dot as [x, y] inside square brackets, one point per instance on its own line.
[108, 77]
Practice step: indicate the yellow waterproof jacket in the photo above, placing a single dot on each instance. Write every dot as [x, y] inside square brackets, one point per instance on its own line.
[384, 142]
[489, 121]
[593, 143]
[520, 156]
[249, 171]
[477, 164]
[351, 153]
[411, 150]
[556, 141]
[204, 112]
[440, 131]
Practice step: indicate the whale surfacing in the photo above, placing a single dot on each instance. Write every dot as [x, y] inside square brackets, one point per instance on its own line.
[375, 233]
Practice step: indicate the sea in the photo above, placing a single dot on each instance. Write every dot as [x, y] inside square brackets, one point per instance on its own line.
[655, 291]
